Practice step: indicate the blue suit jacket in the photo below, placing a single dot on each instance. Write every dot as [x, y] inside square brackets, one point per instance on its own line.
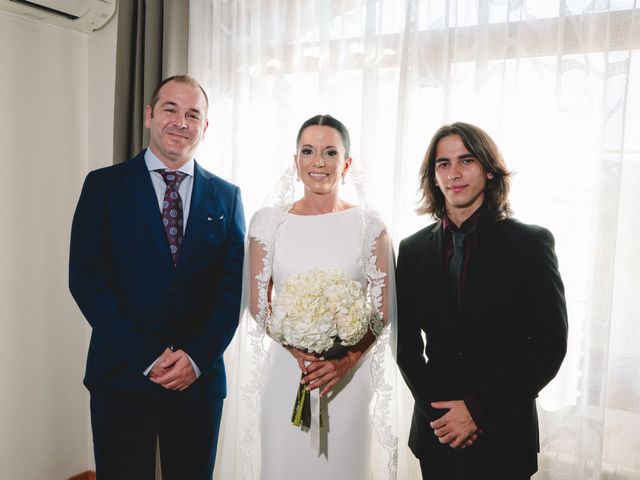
[122, 276]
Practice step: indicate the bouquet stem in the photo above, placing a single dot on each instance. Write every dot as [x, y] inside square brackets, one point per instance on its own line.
[301, 415]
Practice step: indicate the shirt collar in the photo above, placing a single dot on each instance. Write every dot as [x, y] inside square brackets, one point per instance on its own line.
[475, 218]
[154, 163]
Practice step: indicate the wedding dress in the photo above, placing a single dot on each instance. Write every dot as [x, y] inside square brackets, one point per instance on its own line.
[303, 243]
[358, 440]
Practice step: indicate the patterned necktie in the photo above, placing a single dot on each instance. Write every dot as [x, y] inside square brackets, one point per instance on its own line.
[455, 267]
[172, 211]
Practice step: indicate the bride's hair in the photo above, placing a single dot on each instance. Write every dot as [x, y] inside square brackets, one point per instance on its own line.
[328, 121]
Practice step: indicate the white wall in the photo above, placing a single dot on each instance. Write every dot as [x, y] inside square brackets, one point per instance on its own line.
[56, 104]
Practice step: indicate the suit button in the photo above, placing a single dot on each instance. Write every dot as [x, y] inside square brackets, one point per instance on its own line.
[460, 354]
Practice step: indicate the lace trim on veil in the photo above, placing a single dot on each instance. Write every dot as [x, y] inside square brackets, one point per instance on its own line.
[383, 391]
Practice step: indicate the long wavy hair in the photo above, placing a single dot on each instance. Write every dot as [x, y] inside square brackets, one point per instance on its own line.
[496, 203]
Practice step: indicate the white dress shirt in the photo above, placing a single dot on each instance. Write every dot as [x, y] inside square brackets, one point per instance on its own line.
[159, 185]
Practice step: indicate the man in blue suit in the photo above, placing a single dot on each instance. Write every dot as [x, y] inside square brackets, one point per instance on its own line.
[156, 267]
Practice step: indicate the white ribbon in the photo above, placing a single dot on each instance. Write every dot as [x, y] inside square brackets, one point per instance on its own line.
[314, 400]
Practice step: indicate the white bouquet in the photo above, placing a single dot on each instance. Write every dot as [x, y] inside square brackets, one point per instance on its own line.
[315, 309]
[318, 311]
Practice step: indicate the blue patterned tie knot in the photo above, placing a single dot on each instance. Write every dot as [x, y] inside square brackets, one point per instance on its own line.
[172, 209]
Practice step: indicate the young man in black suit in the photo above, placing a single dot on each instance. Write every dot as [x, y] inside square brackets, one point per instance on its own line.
[485, 291]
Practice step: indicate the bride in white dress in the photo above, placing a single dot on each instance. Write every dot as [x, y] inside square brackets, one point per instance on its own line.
[319, 231]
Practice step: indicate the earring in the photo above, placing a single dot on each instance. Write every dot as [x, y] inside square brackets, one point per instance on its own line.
[343, 178]
[297, 175]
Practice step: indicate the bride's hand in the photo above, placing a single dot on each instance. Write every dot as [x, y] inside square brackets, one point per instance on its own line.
[327, 373]
[302, 356]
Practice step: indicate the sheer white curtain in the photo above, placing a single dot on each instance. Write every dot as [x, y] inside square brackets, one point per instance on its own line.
[556, 83]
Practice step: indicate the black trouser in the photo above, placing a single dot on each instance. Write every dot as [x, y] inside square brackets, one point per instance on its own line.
[461, 471]
[126, 426]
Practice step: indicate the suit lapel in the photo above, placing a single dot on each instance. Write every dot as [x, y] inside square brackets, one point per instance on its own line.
[434, 250]
[202, 199]
[488, 239]
[138, 183]
[434, 269]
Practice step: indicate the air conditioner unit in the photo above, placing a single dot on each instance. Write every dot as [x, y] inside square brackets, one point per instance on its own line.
[83, 15]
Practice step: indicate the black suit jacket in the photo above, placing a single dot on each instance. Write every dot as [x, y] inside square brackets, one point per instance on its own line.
[121, 274]
[507, 342]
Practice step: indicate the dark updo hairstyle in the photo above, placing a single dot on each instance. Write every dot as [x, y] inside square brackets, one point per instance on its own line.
[328, 121]
[495, 205]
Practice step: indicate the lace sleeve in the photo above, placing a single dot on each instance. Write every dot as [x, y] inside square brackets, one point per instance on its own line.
[260, 278]
[377, 259]
[262, 232]
[383, 254]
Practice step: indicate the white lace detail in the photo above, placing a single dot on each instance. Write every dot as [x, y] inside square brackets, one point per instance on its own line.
[263, 228]
[383, 397]
[251, 394]
[373, 228]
